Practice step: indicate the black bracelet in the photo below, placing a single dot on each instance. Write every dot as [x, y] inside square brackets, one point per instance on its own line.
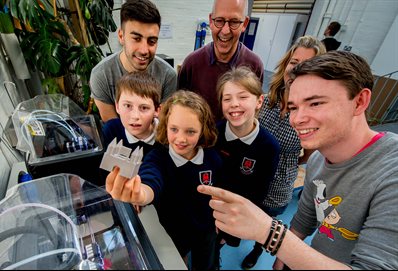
[273, 253]
[275, 238]
[271, 232]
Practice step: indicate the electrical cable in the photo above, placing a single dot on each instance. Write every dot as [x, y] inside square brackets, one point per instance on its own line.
[31, 116]
[76, 251]
[41, 205]
[43, 255]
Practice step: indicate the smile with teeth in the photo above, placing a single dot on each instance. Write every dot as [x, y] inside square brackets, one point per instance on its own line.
[141, 58]
[236, 114]
[306, 131]
[223, 39]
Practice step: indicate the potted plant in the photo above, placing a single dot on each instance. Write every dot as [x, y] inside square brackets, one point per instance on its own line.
[51, 42]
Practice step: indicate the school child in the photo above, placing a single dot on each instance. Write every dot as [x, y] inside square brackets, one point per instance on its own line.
[170, 174]
[137, 103]
[250, 153]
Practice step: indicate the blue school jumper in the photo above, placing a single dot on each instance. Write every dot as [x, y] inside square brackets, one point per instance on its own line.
[249, 167]
[183, 211]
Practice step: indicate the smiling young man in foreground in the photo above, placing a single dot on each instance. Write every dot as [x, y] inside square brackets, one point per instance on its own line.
[351, 185]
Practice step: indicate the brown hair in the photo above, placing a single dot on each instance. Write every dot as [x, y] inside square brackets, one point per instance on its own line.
[277, 90]
[198, 105]
[350, 69]
[141, 84]
[242, 76]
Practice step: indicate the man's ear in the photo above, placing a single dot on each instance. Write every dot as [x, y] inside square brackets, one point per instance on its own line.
[362, 101]
[245, 23]
[120, 36]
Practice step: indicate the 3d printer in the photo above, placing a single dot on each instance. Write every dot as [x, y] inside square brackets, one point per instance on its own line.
[64, 222]
[58, 136]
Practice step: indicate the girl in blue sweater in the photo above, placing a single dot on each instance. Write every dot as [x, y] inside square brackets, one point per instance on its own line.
[250, 153]
[170, 174]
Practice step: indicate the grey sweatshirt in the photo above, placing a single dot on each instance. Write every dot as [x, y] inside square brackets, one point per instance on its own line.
[353, 206]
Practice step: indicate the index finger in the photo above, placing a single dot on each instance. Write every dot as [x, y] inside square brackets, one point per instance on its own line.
[218, 193]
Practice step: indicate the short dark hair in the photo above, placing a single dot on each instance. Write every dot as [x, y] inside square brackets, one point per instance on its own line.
[350, 69]
[143, 11]
[334, 27]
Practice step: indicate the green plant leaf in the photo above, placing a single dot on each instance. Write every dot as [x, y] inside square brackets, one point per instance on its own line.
[51, 85]
[30, 12]
[87, 14]
[6, 26]
[86, 94]
[101, 19]
[47, 53]
[85, 59]
[52, 56]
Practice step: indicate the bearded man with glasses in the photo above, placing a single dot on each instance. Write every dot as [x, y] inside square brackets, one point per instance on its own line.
[202, 68]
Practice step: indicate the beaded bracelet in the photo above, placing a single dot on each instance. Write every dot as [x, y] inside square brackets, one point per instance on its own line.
[273, 253]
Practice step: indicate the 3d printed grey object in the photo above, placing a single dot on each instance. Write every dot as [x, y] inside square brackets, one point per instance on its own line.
[118, 155]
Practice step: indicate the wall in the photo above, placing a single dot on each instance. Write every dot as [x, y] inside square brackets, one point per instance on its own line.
[365, 25]
[275, 34]
[183, 17]
[386, 59]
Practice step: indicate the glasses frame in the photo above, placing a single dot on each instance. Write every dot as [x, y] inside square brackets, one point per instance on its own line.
[227, 21]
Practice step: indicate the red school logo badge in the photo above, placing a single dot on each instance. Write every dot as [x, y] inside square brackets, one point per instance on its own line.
[247, 166]
[205, 177]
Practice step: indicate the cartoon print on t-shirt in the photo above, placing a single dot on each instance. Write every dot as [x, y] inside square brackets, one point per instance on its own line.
[327, 214]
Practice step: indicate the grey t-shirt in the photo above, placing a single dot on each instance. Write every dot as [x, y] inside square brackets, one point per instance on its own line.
[353, 206]
[106, 73]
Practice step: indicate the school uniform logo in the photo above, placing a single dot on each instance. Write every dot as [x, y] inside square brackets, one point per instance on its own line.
[205, 177]
[247, 166]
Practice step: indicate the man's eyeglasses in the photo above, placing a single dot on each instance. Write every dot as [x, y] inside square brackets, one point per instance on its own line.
[233, 24]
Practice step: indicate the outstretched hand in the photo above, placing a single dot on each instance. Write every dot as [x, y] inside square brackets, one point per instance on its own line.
[237, 215]
[124, 189]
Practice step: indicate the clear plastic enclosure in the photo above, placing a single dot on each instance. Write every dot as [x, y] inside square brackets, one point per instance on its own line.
[64, 222]
[51, 127]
